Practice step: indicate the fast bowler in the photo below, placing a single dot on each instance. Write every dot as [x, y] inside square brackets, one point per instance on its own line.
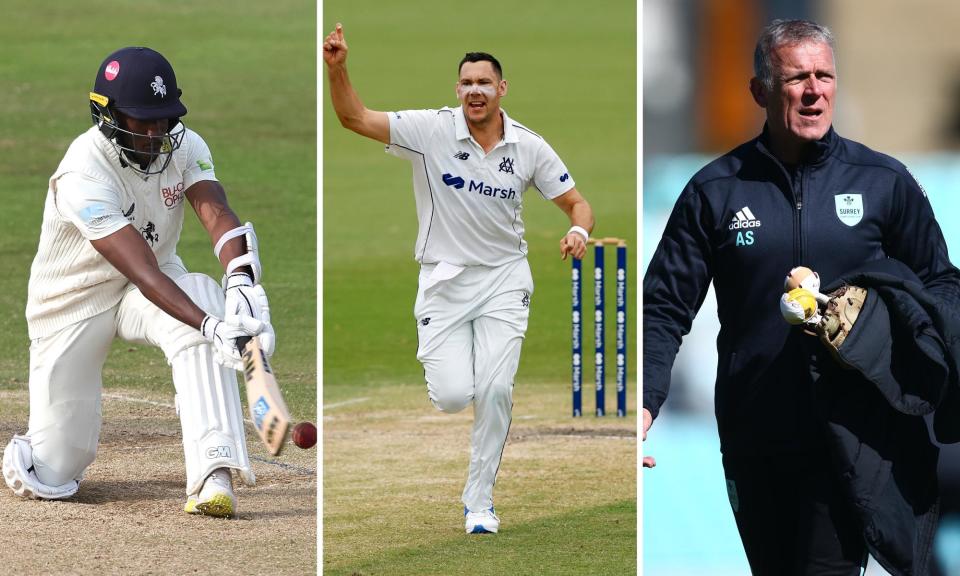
[471, 165]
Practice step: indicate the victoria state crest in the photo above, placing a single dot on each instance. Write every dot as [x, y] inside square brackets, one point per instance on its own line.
[849, 208]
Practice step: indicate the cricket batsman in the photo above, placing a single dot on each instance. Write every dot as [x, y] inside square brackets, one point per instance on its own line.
[107, 267]
[471, 166]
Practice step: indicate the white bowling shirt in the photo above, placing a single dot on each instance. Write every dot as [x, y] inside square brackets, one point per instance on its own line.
[469, 203]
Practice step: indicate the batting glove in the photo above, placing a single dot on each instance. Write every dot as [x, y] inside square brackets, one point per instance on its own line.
[242, 298]
[223, 335]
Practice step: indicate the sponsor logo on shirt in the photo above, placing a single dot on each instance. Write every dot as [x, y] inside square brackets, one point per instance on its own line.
[129, 213]
[479, 187]
[564, 177]
[461, 155]
[451, 180]
[94, 215]
[205, 164]
[172, 196]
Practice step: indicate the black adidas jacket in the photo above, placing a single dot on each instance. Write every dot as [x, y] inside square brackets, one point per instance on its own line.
[744, 221]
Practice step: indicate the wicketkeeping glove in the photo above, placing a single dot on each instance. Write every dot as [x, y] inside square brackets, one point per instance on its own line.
[224, 333]
[839, 317]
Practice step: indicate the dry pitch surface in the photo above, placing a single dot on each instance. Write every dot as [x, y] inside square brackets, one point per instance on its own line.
[127, 517]
[394, 469]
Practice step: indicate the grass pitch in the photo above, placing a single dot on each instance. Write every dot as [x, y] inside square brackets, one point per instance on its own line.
[248, 75]
[394, 467]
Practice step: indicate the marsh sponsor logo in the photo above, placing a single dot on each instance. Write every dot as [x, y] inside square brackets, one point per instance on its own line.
[451, 180]
[849, 208]
[480, 187]
[483, 189]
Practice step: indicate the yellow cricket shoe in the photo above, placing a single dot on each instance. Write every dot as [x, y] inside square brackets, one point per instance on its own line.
[216, 498]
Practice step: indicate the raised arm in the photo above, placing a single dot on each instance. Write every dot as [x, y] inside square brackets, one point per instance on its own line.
[350, 110]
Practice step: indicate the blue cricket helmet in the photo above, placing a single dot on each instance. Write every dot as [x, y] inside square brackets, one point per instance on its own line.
[140, 83]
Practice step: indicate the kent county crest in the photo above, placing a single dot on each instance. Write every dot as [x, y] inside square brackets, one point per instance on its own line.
[849, 208]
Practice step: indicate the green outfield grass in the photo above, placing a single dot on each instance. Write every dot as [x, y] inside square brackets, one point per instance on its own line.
[571, 69]
[248, 75]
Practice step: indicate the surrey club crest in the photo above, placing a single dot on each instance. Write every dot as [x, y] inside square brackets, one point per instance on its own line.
[849, 208]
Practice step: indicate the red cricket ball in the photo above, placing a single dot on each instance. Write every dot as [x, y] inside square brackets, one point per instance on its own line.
[305, 435]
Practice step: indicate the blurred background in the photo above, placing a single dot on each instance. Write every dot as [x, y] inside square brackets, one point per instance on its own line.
[898, 92]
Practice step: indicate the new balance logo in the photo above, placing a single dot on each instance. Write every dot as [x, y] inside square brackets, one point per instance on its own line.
[461, 155]
[744, 218]
[451, 180]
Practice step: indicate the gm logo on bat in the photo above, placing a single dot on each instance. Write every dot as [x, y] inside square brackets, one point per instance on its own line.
[260, 410]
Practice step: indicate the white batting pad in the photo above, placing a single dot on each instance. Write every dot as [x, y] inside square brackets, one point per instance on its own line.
[211, 418]
[19, 475]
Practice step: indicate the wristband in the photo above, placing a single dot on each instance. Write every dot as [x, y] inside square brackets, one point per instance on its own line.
[581, 231]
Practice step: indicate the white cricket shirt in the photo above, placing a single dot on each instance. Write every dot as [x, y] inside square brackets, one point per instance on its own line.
[469, 203]
[91, 196]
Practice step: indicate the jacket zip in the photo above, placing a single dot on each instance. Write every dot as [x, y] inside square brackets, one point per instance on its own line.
[797, 195]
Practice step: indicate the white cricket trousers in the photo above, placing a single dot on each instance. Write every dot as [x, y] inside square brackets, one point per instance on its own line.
[65, 379]
[470, 327]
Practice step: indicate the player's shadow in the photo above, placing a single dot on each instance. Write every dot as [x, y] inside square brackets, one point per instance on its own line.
[103, 491]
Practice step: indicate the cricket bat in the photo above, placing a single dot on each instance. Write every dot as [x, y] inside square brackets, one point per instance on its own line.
[267, 408]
